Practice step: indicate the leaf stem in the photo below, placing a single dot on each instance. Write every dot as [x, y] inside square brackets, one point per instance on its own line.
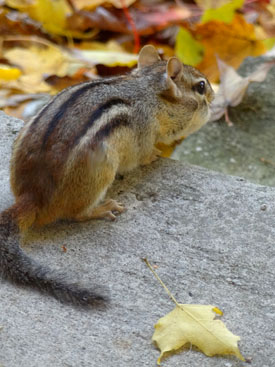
[161, 282]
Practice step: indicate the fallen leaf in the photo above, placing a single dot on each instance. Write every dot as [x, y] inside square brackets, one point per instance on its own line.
[188, 50]
[51, 14]
[24, 106]
[232, 42]
[160, 16]
[225, 12]
[148, 20]
[16, 23]
[267, 18]
[17, 111]
[195, 324]
[59, 83]
[92, 4]
[233, 86]
[9, 73]
[7, 99]
[64, 248]
[4, 95]
[211, 4]
[108, 58]
[109, 54]
[112, 20]
[36, 63]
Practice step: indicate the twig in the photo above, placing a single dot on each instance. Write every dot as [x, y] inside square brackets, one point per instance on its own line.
[133, 26]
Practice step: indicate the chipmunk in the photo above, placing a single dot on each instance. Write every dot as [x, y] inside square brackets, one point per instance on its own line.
[65, 159]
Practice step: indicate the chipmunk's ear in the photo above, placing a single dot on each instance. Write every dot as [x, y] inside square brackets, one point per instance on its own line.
[147, 56]
[174, 71]
[174, 68]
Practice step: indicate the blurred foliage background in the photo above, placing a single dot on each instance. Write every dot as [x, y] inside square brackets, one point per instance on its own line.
[46, 45]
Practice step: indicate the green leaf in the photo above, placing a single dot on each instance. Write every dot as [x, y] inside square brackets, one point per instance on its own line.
[225, 13]
[188, 50]
[269, 42]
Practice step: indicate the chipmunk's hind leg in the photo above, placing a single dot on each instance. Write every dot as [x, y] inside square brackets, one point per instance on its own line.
[101, 172]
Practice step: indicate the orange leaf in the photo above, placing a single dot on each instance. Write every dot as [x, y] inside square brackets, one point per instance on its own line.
[231, 42]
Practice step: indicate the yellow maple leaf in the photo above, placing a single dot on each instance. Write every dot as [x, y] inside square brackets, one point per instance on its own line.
[195, 324]
[232, 42]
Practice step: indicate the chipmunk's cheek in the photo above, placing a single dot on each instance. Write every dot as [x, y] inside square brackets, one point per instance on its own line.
[204, 105]
[191, 103]
[201, 115]
[210, 97]
[205, 112]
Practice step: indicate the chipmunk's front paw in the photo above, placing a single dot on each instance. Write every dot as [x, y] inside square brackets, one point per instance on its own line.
[153, 157]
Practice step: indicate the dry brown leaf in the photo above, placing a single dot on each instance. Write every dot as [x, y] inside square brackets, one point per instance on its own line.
[233, 87]
[267, 19]
[147, 20]
[16, 23]
[230, 42]
[113, 20]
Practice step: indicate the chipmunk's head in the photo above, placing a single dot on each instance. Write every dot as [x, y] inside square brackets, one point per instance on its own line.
[185, 92]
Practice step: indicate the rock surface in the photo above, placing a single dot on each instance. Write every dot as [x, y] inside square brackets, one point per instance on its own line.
[212, 239]
[239, 150]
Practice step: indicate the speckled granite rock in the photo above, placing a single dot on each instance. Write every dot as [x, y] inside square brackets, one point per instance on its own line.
[212, 239]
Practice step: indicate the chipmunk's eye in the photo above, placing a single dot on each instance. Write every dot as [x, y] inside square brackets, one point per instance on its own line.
[200, 87]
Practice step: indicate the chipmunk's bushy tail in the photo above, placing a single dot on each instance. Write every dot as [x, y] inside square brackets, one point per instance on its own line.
[20, 269]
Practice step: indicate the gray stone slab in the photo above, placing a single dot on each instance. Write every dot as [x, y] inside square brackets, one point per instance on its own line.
[212, 243]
